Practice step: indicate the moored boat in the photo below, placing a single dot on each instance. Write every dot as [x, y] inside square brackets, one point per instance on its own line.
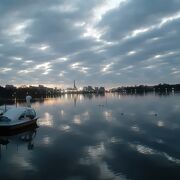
[18, 118]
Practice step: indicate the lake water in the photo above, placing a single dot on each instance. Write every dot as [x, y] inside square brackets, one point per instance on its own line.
[91, 137]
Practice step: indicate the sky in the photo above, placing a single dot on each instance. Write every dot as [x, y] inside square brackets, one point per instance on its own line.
[96, 42]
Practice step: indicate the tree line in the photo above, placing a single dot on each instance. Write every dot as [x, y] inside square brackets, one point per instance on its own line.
[160, 88]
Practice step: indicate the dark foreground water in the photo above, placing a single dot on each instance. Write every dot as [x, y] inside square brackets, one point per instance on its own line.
[98, 137]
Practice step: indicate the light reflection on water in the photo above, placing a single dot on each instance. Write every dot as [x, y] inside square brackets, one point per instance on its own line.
[98, 137]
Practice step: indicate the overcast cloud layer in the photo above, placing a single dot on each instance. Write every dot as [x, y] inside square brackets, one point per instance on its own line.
[96, 42]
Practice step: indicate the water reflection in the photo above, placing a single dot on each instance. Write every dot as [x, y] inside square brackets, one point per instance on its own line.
[101, 137]
[64, 128]
[47, 140]
[95, 158]
[46, 120]
[17, 140]
[149, 151]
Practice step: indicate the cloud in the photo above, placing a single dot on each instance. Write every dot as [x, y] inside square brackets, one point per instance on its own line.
[95, 42]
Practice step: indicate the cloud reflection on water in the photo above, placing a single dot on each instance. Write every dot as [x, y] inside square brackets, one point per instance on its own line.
[46, 120]
[88, 142]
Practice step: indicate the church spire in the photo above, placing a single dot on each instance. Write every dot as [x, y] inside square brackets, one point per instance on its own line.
[75, 85]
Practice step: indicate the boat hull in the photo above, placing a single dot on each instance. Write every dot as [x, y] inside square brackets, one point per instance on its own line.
[16, 128]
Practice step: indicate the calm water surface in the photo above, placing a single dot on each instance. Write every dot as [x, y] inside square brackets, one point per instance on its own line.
[97, 137]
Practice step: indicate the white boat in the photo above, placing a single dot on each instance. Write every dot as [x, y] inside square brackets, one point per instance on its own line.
[18, 118]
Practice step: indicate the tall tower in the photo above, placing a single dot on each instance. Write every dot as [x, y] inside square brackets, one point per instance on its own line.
[75, 85]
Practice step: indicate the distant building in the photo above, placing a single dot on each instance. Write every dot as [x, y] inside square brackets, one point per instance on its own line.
[88, 89]
[41, 86]
[96, 89]
[72, 90]
[85, 89]
[101, 90]
[75, 85]
[10, 86]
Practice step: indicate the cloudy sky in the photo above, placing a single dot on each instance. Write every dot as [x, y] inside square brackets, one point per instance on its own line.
[95, 42]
